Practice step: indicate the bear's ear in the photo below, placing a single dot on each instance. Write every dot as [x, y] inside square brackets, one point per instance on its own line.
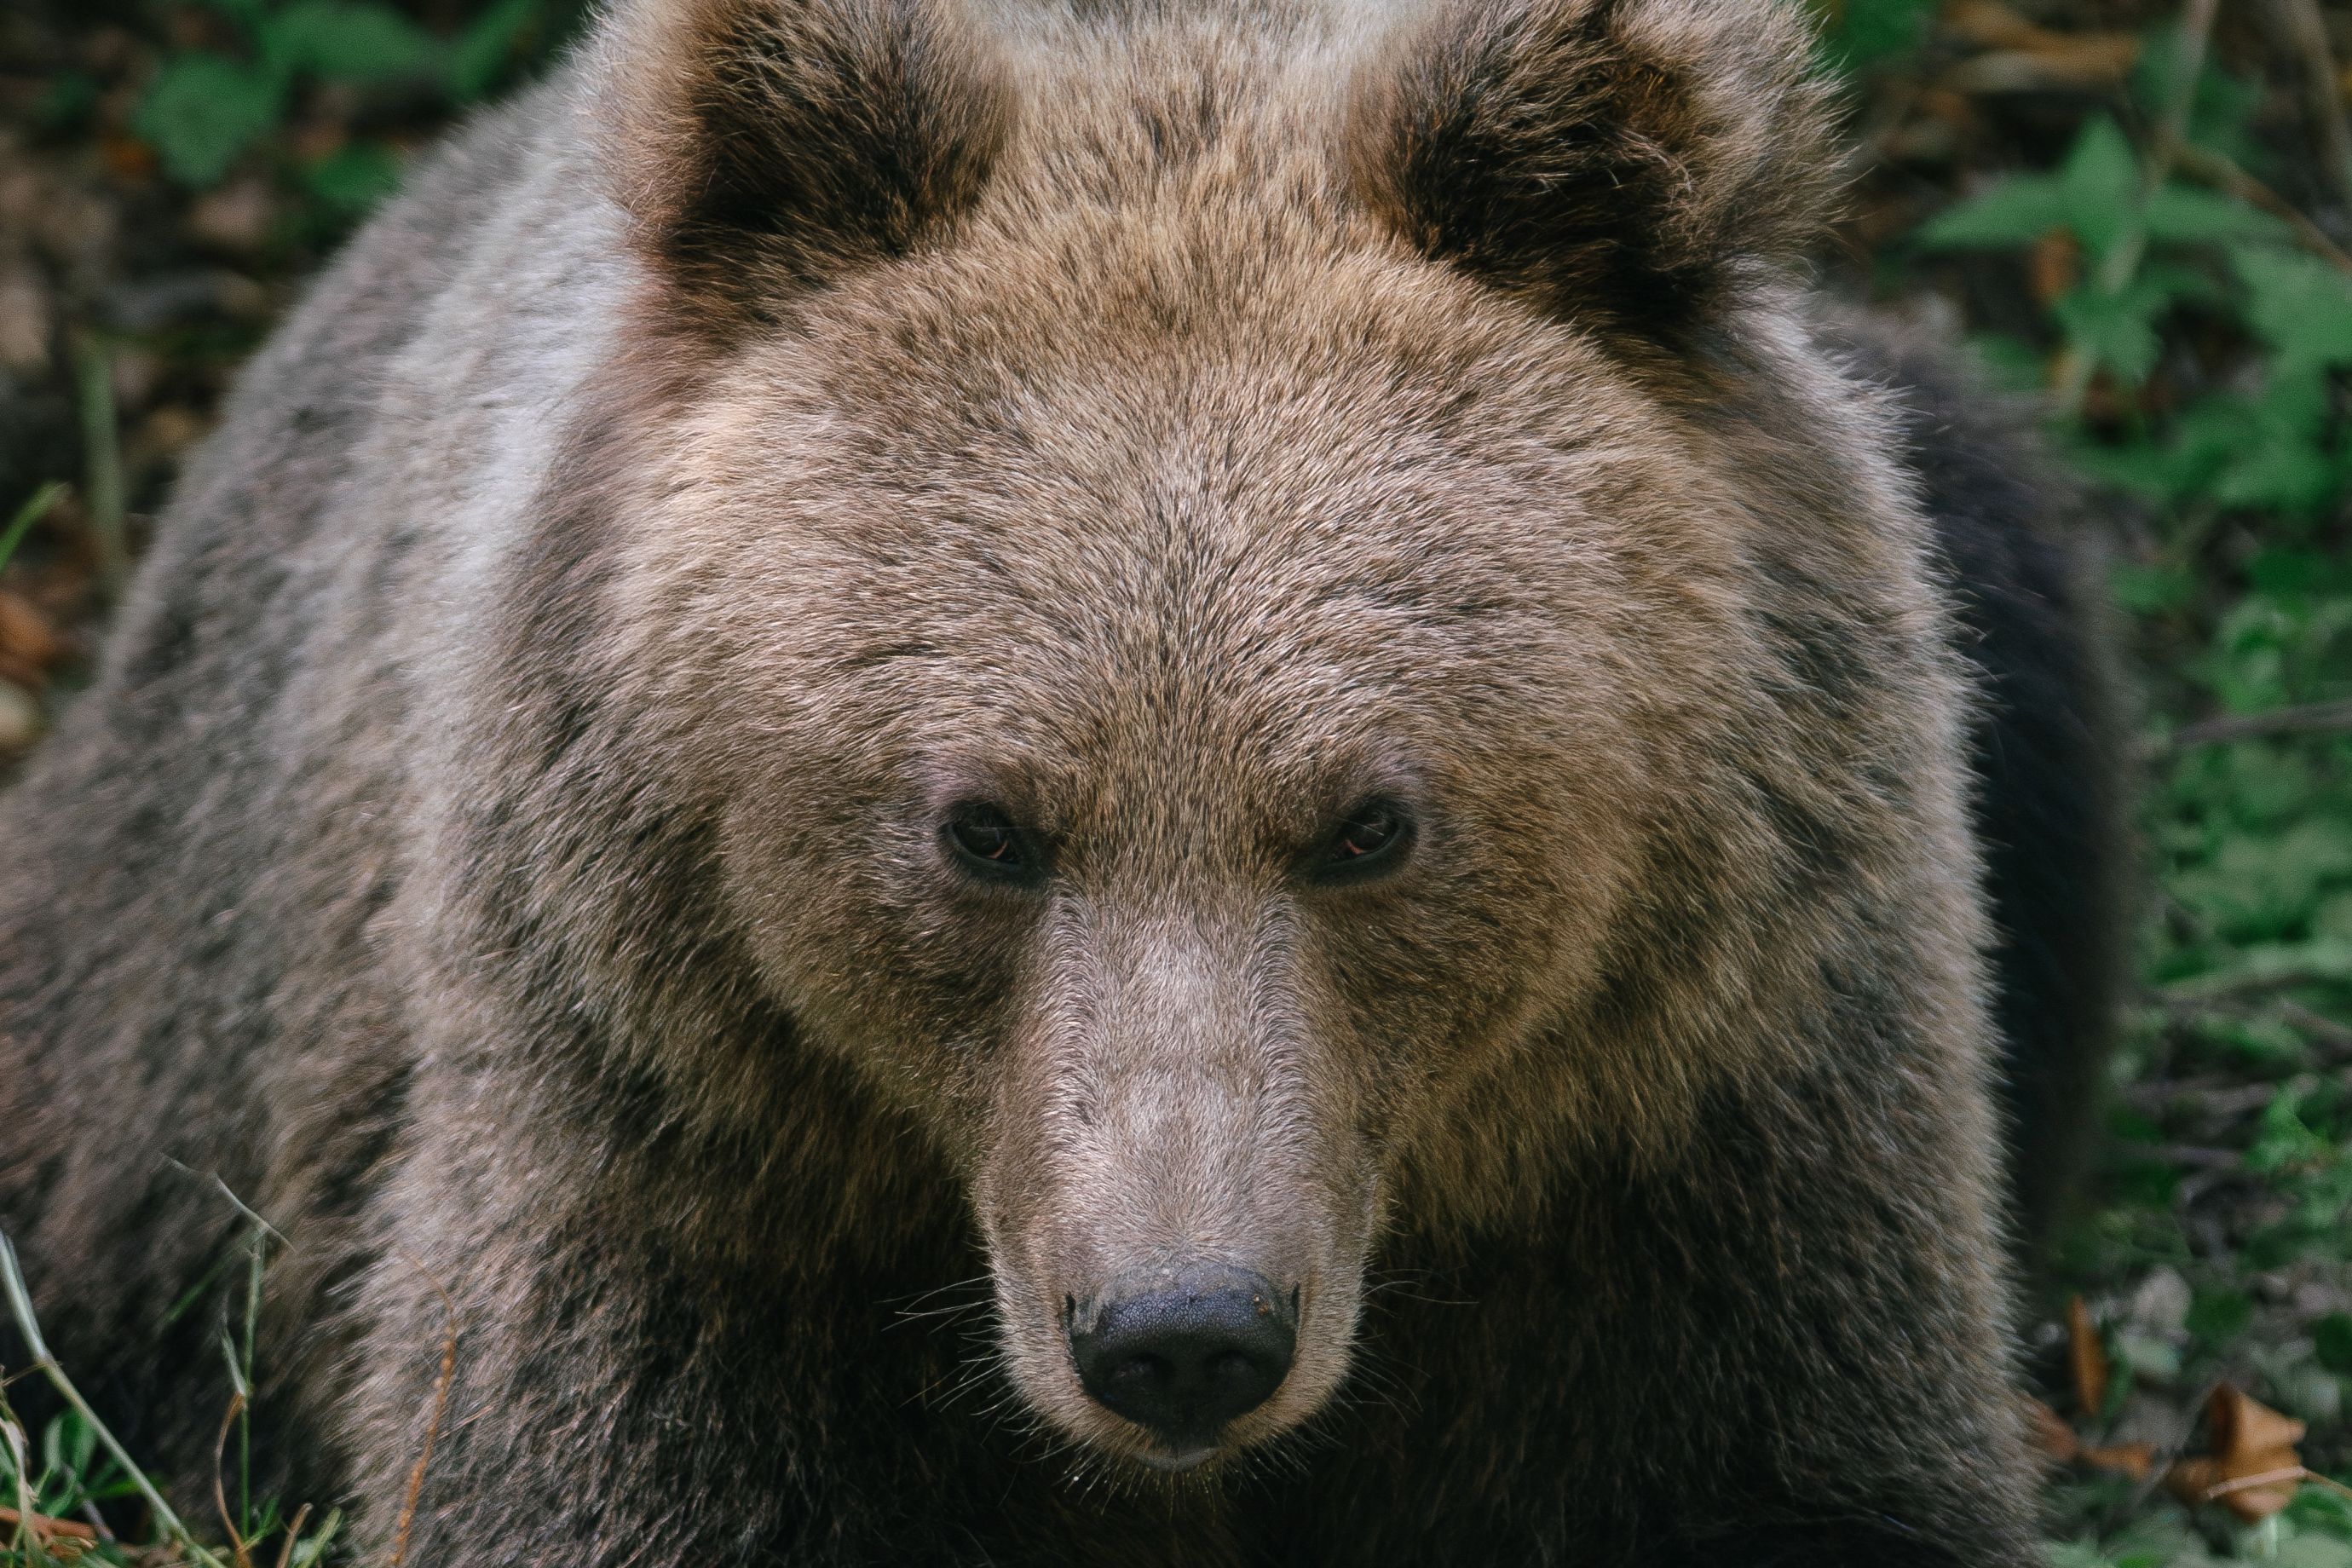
[760, 146]
[1622, 162]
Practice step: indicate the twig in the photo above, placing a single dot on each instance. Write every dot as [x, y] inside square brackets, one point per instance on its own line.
[220, 1494]
[2207, 988]
[2308, 719]
[293, 1536]
[42, 1524]
[2215, 170]
[20, 1305]
[433, 1427]
[2271, 1479]
[2217, 1098]
[2194, 1155]
[2326, 1031]
[2322, 94]
[12, 1438]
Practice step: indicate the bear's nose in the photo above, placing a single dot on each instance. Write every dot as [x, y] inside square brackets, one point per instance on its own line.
[1182, 1353]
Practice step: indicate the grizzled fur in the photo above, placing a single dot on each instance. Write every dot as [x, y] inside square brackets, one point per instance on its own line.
[504, 842]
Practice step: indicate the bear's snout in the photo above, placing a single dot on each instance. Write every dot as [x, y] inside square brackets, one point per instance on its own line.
[1182, 1353]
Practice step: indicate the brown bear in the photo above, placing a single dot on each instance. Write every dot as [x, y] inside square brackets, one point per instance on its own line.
[1075, 782]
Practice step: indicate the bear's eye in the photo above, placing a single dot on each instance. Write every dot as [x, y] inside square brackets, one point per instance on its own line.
[1372, 839]
[984, 842]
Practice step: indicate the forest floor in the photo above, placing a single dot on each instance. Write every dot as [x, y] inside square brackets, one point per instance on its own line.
[2138, 212]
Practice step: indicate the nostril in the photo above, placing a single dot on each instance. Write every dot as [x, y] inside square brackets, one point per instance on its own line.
[1184, 1355]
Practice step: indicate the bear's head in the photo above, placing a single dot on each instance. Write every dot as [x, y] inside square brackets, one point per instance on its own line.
[1275, 628]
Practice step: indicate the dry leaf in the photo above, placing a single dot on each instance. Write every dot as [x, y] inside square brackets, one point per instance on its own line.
[25, 633]
[2253, 1470]
[2087, 1358]
[50, 1530]
[2133, 1459]
[2053, 266]
[2025, 49]
[2049, 1434]
[1991, 23]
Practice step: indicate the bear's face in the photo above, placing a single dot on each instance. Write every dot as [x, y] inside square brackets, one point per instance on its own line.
[1184, 769]
[1188, 683]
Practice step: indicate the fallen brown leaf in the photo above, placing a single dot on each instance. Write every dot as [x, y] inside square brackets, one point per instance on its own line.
[41, 1524]
[25, 633]
[2049, 1433]
[2132, 1459]
[1992, 25]
[2253, 1470]
[1989, 23]
[2087, 1358]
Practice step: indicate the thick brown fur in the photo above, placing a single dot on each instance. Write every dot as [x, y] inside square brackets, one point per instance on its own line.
[505, 843]
[1628, 161]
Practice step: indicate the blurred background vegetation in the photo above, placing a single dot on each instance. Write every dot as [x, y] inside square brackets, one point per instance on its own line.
[2137, 211]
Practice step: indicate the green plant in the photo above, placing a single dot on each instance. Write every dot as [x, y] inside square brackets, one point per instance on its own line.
[205, 108]
[78, 1465]
[2155, 247]
[2194, 338]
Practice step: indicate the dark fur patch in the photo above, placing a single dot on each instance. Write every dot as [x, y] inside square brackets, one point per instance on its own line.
[765, 147]
[1605, 157]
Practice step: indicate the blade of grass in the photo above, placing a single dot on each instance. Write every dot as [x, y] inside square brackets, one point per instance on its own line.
[31, 513]
[20, 1307]
[101, 459]
[12, 1438]
[258, 1249]
[313, 1550]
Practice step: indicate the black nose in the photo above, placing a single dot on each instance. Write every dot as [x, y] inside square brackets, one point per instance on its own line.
[1183, 1352]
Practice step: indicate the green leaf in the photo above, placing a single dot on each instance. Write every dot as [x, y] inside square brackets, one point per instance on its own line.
[2013, 364]
[2143, 468]
[2332, 1338]
[351, 40]
[66, 104]
[2102, 183]
[2184, 215]
[2314, 1551]
[2218, 1316]
[252, 14]
[2117, 330]
[1862, 33]
[204, 109]
[37, 507]
[2223, 108]
[2269, 451]
[2154, 590]
[2071, 1555]
[2299, 304]
[354, 177]
[488, 45]
[2286, 1142]
[2016, 211]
